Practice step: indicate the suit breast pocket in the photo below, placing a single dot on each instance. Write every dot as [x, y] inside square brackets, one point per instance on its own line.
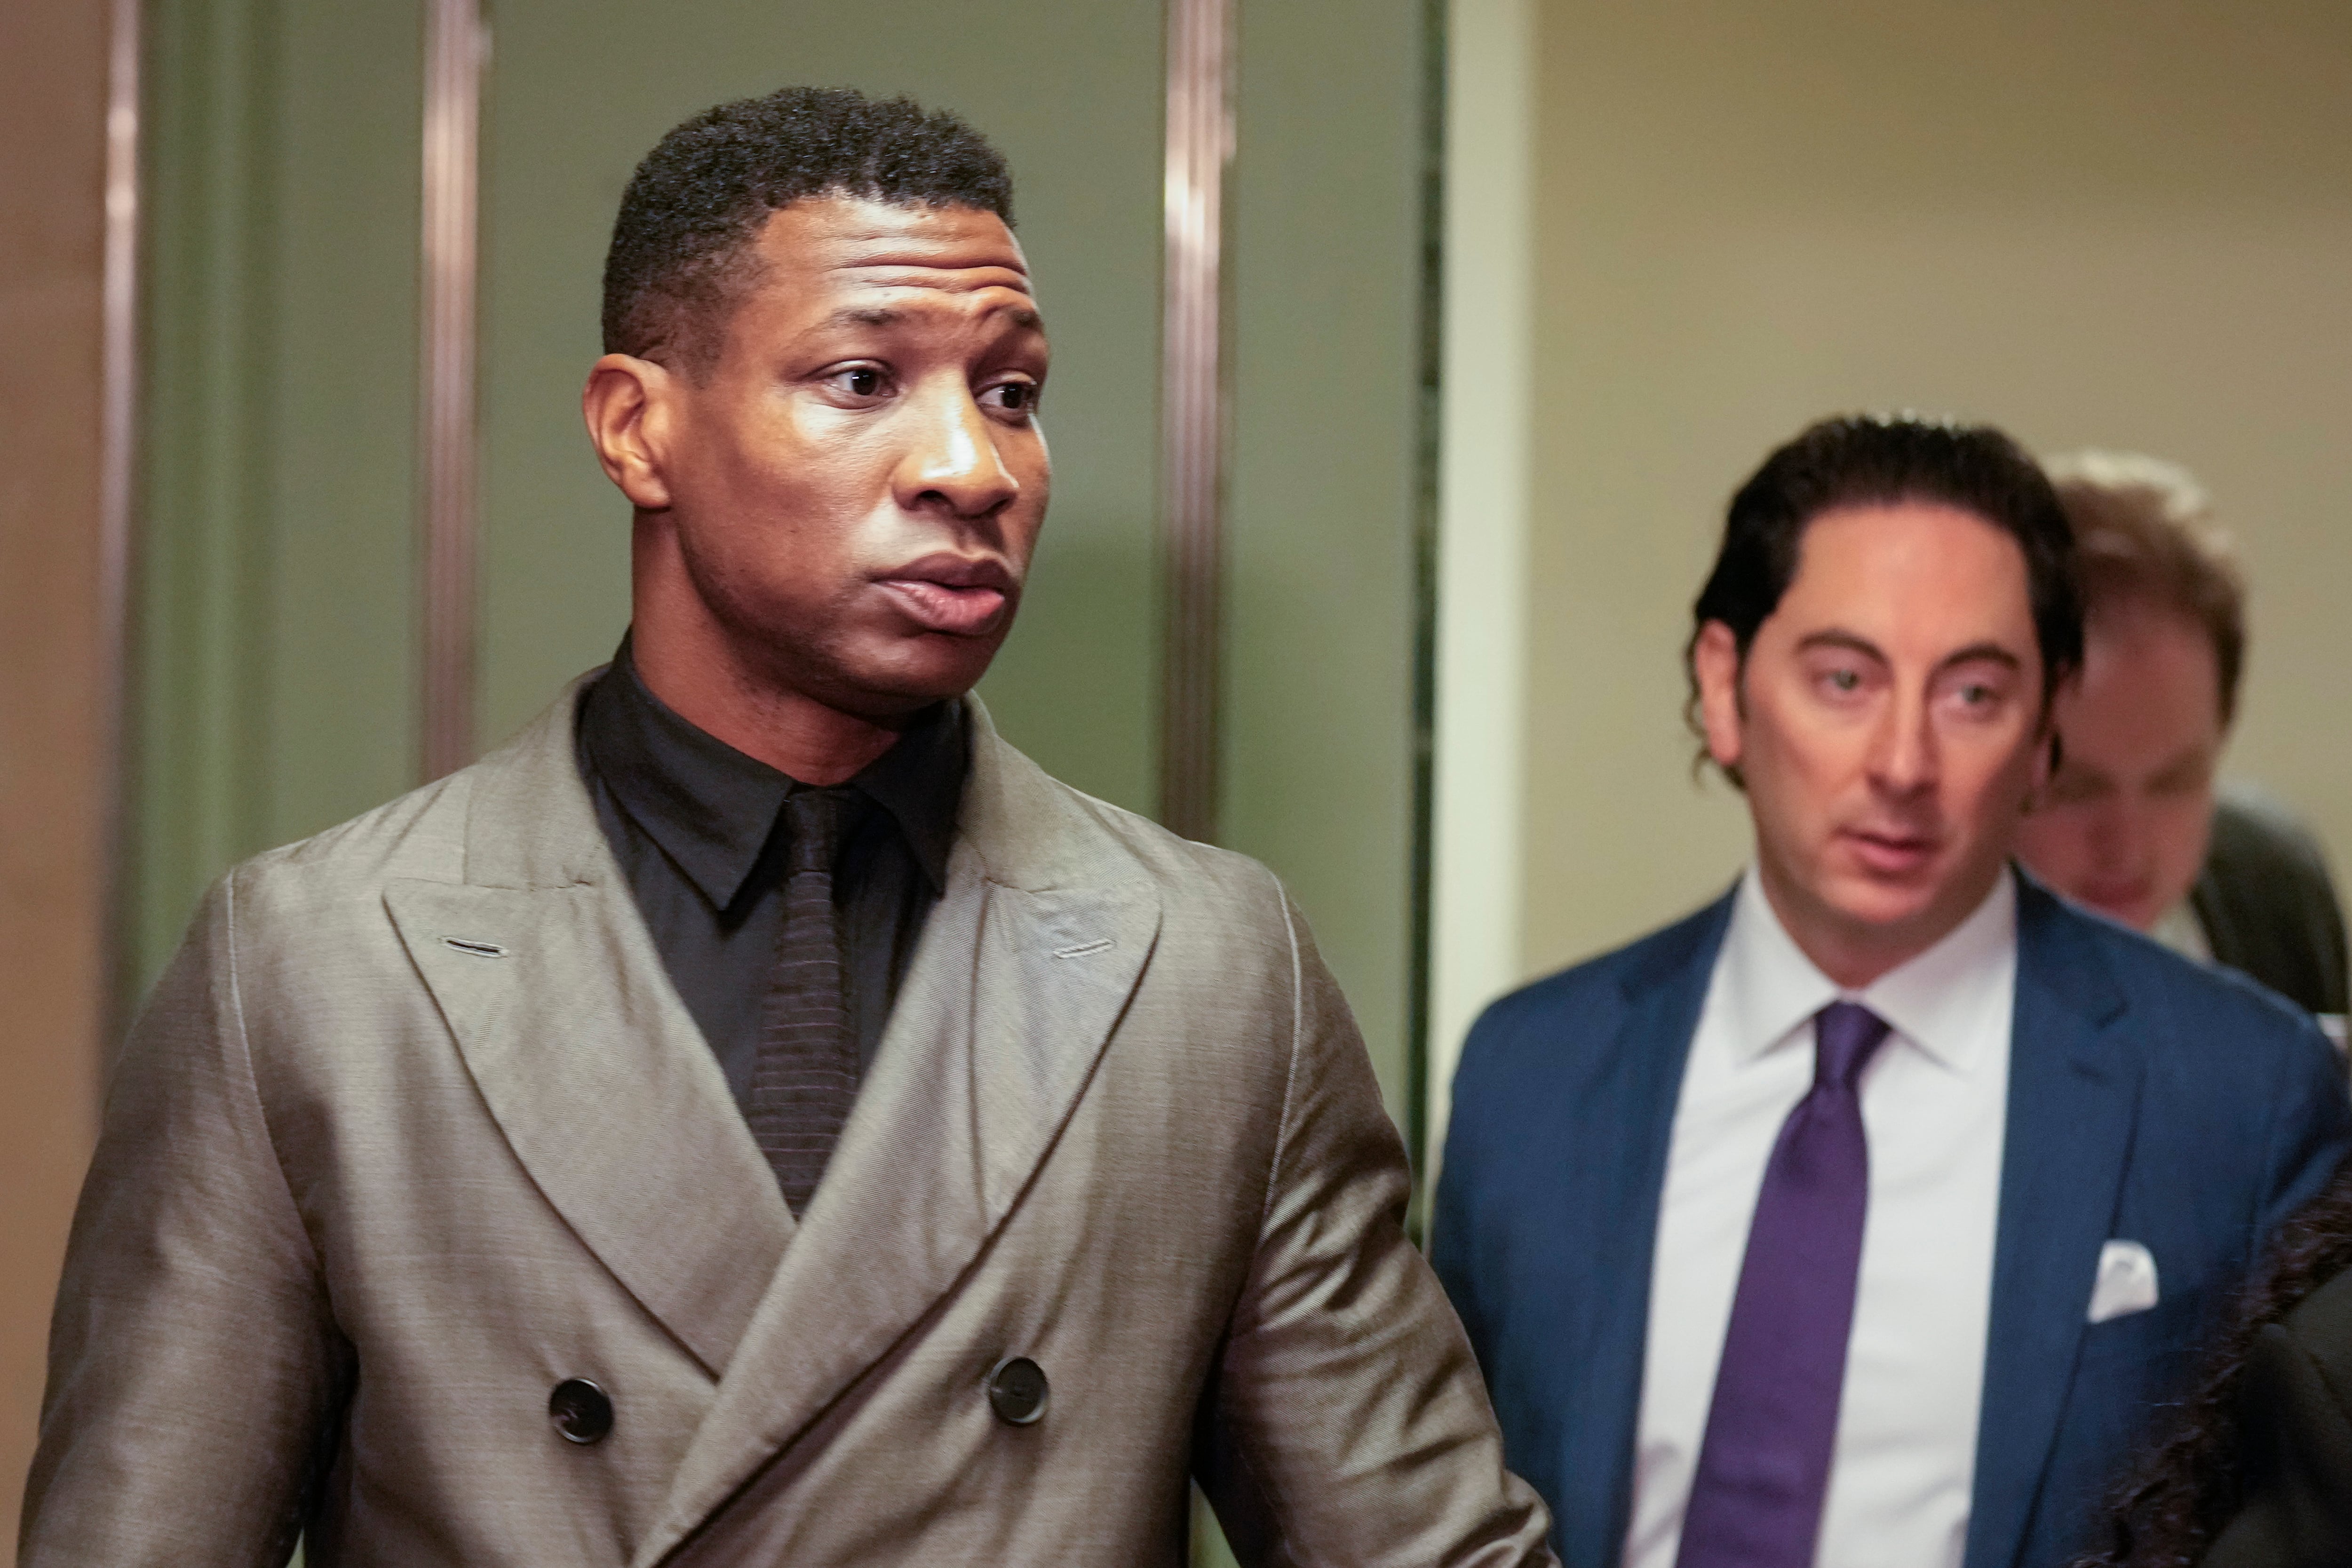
[2144, 1357]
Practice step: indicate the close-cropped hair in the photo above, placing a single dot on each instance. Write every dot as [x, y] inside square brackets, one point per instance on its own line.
[2144, 534]
[1877, 459]
[683, 251]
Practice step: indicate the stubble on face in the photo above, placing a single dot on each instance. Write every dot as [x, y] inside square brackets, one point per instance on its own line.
[1888, 727]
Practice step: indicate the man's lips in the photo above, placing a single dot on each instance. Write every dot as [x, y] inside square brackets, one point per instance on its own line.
[959, 596]
[1891, 854]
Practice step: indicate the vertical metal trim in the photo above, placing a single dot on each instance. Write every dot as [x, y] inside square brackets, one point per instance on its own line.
[117, 498]
[1429, 414]
[1200, 148]
[456, 42]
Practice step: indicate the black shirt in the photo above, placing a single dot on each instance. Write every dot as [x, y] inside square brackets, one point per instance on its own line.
[698, 829]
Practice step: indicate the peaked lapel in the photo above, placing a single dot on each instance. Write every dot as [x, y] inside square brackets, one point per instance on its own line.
[593, 1069]
[1024, 968]
[2073, 1094]
[1627, 1125]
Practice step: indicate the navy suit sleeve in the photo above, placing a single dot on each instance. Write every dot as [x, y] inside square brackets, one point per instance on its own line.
[2311, 1129]
[1451, 1231]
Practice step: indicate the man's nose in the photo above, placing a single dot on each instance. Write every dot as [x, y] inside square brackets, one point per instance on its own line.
[1904, 759]
[951, 460]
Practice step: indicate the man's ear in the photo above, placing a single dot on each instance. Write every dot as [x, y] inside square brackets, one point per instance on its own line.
[2048, 746]
[2049, 751]
[630, 405]
[1715, 658]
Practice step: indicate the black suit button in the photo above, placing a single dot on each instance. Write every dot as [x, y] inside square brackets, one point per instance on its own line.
[581, 1411]
[1016, 1390]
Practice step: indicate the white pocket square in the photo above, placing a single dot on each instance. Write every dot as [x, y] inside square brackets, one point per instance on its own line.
[2126, 1282]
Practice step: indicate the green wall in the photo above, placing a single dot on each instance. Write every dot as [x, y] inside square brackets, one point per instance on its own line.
[1325, 275]
[273, 612]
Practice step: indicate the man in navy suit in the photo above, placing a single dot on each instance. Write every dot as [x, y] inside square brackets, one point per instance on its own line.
[1860, 1219]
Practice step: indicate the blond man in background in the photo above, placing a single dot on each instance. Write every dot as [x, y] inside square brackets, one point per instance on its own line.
[2132, 823]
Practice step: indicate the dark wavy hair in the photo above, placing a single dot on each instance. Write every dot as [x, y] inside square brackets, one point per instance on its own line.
[2168, 1513]
[681, 254]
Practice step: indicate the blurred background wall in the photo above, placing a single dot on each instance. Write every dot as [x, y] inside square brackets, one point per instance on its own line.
[2121, 223]
[53, 702]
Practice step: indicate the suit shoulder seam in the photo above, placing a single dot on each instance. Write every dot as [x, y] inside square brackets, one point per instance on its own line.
[1290, 1069]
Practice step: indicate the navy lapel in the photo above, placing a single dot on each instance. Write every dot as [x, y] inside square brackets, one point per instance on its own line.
[1623, 1133]
[2073, 1092]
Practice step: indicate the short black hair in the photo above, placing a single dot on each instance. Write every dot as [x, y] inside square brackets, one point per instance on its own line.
[681, 246]
[1874, 459]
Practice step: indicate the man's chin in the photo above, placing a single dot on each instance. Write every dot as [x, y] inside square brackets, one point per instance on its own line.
[1928, 901]
[2141, 915]
[912, 679]
[1869, 897]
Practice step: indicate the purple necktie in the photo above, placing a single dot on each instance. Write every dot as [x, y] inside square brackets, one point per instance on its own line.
[1764, 1467]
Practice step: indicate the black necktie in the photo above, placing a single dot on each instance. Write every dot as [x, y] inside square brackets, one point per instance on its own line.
[806, 1076]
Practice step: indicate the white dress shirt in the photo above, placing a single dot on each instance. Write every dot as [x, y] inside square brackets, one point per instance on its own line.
[1934, 1108]
[2179, 929]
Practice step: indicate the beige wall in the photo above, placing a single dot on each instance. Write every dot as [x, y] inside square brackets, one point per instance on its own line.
[2120, 224]
[52, 118]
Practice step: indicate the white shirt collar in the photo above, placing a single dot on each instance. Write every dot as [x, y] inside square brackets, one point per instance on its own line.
[1937, 1001]
[2183, 932]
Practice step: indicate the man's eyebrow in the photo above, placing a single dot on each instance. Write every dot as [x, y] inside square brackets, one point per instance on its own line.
[1854, 642]
[884, 316]
[1989, 651]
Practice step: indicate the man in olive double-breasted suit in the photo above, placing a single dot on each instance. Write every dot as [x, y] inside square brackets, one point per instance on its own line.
[757, 1116]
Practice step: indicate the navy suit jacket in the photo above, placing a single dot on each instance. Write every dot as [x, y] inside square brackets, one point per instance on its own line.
[2150, 1099]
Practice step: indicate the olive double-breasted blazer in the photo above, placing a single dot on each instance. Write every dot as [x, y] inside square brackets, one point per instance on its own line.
[416, 1129]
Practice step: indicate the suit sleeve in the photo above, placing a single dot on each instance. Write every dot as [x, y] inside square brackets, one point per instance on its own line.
[1348, 1423]
[1450, 1226]
[2311, 1131]
[192, 1357]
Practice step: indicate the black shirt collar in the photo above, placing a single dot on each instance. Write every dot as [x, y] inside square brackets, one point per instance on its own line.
[712, 809]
